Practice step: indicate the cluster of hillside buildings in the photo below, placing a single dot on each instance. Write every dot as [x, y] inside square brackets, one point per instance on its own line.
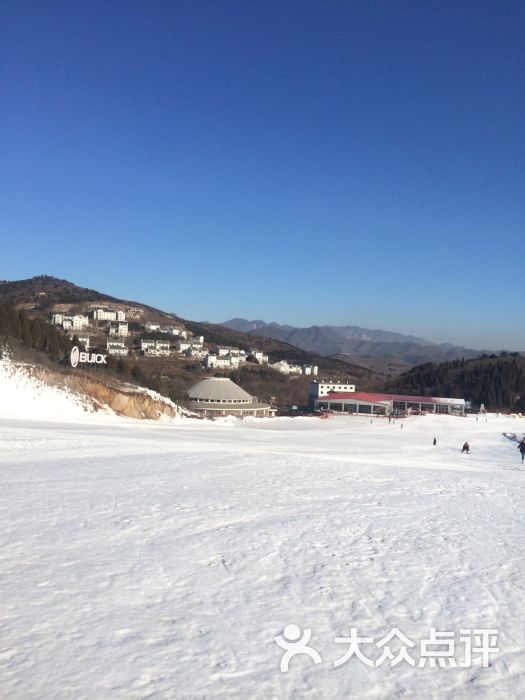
[219, 357]
[115, 320]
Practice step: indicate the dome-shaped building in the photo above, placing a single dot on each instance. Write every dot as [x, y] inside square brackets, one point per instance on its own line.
[219, 396]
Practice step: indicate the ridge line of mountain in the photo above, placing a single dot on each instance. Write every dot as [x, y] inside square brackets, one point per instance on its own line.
[356, 341]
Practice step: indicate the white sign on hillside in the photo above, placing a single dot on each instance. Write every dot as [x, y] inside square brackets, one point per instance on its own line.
[77, 357]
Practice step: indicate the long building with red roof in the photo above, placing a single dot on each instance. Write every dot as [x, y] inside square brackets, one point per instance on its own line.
[387, 404]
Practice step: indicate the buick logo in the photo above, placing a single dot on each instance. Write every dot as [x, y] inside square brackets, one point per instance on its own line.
[75, 356]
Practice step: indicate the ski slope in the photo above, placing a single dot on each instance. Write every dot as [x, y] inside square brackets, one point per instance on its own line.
[144, 560]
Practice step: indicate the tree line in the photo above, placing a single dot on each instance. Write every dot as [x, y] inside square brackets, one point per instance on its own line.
[496, 381]
[32, 332]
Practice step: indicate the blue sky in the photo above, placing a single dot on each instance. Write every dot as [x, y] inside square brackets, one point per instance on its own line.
[305, 162]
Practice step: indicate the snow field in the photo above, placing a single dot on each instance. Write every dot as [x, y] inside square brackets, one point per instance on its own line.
[141, 560]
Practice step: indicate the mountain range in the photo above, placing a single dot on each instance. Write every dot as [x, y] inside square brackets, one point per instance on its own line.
[330, 347]
[357, 344]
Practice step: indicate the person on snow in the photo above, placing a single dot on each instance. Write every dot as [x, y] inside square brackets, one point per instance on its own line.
[434, 442]
[465, 448]
[521, 448]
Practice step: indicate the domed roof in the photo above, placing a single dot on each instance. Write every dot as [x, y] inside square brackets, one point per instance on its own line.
[218, 389]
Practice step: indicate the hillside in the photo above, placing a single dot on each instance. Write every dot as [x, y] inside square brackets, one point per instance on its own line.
[44, 293]
[497, 382]
[25, 305]
[387, 367]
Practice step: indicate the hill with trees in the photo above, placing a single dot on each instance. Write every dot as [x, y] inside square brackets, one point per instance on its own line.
[25, 330]
[498, 381]
[43, 292]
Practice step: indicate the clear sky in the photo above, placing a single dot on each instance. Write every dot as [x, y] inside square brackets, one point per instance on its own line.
[305, 162]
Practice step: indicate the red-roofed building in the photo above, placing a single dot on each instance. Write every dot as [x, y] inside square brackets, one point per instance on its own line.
[366, 403]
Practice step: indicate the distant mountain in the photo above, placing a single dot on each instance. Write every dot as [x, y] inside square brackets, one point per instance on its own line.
[244, 326]
[354, 342]
[341, 332]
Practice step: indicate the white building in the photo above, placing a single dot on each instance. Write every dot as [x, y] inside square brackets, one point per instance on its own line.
[222, 350]
[310, 370]
[227, 350]
[196, 350]
[119, 329]
[152, 327]
[286, 368]
[121, 316]
[80, 321]
[217, 362]
[260, 356]
[183, 345]
[317, 390]
[104, 315]
[155, 348]
[223, 361]
[323, 388]
[117, 347]
[70, 322]
[163, 347]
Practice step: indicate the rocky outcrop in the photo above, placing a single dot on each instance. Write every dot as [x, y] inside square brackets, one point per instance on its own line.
[123, 399]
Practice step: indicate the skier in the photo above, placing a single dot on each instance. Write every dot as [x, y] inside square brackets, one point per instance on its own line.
[465, 448]
[521, 448]
[434, 442]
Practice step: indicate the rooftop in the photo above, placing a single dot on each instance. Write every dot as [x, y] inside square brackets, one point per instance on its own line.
[382, 398]
[218, 389]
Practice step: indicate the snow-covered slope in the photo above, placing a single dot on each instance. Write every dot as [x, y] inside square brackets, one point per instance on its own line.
[23, 395]
[28, 391]
[141, 560]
